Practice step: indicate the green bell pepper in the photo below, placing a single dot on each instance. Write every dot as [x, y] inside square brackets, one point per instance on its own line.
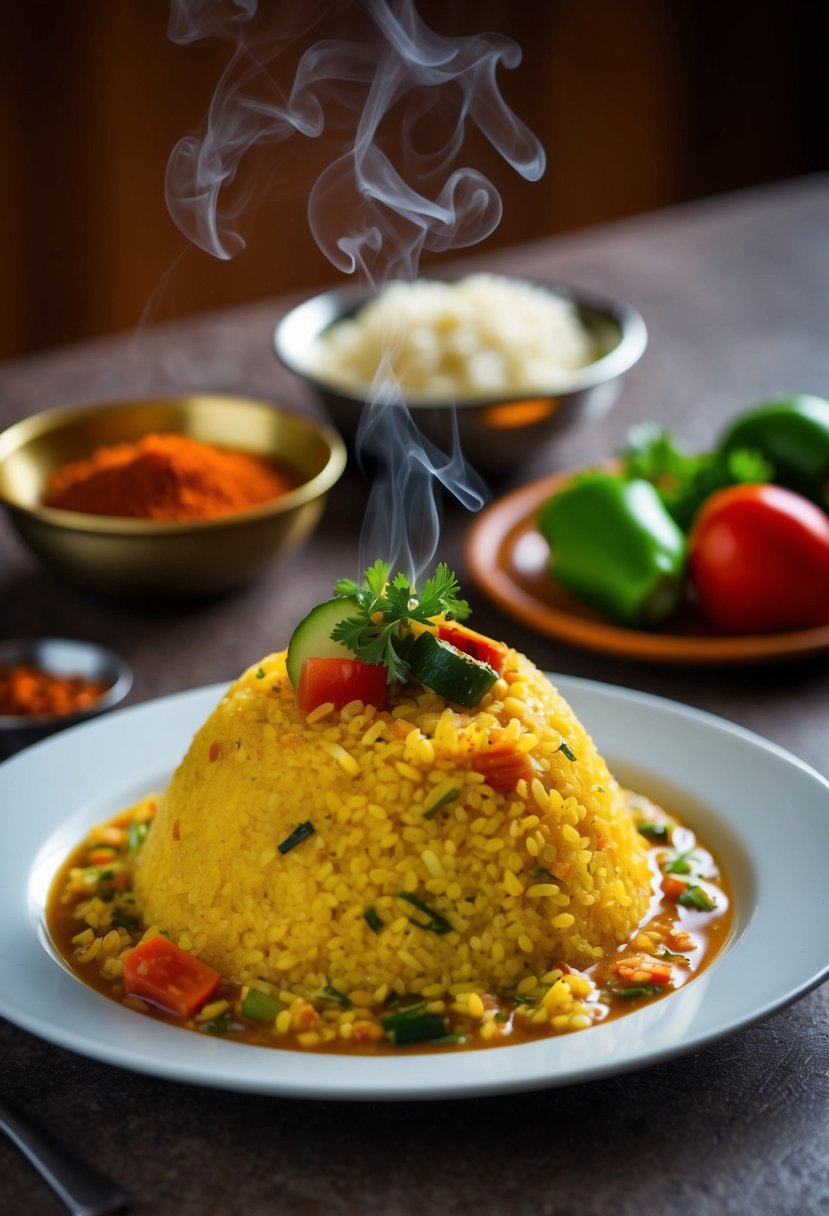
[615, 546]
[793, 434]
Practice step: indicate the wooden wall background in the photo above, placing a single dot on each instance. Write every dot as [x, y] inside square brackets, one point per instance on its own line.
[639, 103]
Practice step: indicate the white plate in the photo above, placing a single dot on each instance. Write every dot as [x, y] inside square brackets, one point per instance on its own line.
[764, 812]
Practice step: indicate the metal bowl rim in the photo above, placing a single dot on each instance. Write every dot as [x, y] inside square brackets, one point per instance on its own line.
[343, 300]
[80, 521]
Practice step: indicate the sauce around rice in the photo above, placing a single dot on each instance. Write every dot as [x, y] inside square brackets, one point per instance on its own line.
[97, 920]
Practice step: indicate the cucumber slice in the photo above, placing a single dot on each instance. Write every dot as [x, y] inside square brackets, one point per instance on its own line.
[450, 672]
[312, 637]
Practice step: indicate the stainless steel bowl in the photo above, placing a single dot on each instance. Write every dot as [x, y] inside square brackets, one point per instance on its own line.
[62, 657]
[498, 433]
[152, 558]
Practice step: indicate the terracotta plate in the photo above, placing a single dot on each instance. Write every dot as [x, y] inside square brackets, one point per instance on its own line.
[508, 559]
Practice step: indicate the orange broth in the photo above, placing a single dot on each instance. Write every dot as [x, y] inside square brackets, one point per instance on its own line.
[94, 923]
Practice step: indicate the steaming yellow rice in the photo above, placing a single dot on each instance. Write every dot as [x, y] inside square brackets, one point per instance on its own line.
[551, 871]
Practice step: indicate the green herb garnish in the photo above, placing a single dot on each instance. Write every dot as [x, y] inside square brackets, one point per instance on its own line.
[684, 860]
[221, 1024]
[137, 834]
[260, 673]
[425, 1028]
[435, 924]
[680, 864]
[393, 1020]
[379, 632]
[441, 802]
[122, 920]
[640, 990]
[299, 834]
[372, 919]
[334, 994]
[666, 953]
[654, 831]
[696, 897]
[567, 751]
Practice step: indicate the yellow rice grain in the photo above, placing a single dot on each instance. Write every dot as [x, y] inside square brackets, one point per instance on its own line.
[363, 779]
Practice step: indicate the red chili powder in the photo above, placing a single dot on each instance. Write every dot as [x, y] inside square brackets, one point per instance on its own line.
[165, 477]
[27, 690]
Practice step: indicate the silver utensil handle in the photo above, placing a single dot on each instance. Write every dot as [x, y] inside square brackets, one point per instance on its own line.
[84, 1191]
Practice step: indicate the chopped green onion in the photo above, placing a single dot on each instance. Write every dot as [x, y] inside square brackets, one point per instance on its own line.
[640, 990]
[567, 751]
[373, 920]
[137, 834]
[666, 953]
[222, 1023]
[540, 872]
[436, 923]
[695, 897]
[260, 673]
[122, 920]
[260, 1007]
[334, 994]
[298, 835]
[393, 1020]
[654, 831]
[441, 802]
[427, 1028]
[680, 865]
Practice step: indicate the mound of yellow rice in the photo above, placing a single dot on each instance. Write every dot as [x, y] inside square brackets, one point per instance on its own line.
[513, 881]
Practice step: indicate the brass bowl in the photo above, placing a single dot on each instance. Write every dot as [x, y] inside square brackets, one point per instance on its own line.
[64, 657]
[152, 558]
[498, 433]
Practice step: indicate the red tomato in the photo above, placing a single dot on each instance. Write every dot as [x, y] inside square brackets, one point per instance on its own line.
[340, 681]
[162, 973]
[759, 560]
[476, 645]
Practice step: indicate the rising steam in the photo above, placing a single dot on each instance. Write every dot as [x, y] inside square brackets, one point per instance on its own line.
[379, 204]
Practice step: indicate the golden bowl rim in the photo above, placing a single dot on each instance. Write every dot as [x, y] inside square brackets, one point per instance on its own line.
[43, 421]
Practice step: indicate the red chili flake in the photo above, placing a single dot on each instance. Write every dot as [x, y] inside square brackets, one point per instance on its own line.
[176, 830]
[215, 752]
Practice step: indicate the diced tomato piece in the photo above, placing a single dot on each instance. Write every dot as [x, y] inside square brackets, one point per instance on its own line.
[501, 764]
[672, 887]
[644, 969]
[477, 645]
[340, 681]
[162, 973]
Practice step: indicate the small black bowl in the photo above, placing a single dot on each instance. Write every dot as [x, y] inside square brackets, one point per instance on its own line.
[61, 657]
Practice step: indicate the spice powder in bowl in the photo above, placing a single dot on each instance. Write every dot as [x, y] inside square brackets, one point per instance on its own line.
[47, 684]
[166, 477]
[29, 690]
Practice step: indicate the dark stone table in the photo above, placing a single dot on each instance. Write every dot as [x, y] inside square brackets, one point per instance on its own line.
[736, 295]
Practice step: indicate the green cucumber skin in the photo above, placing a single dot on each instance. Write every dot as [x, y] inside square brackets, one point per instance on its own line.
[449, 672]
[311, 639]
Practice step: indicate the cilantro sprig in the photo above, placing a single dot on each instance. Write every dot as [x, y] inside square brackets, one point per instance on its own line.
[380, 631]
